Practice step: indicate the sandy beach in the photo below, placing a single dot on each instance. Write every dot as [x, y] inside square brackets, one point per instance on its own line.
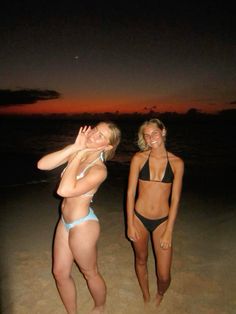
[203, 271]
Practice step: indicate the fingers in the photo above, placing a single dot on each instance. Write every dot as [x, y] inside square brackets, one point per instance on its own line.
[134, 237]
[131, 237]
[165, 245]
[84, 129]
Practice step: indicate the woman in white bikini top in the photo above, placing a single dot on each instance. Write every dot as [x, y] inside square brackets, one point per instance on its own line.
[78, 229]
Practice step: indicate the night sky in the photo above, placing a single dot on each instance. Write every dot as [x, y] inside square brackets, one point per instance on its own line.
[96, 57]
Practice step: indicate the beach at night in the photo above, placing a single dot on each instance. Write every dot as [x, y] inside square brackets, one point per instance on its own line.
[202, 272]
[70, 65]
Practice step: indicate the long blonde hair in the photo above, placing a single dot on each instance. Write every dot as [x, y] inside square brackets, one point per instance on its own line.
[141, 141]
[114, 139]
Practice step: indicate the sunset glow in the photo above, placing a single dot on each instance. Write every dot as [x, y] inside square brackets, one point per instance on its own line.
[118, 59]
[72, 106]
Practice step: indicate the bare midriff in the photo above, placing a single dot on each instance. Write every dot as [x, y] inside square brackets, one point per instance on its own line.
[153, 199]
[74, 208]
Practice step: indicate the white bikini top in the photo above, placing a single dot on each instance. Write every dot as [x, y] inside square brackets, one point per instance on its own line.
[81, 174]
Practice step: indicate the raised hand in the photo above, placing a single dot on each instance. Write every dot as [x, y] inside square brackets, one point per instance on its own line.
[81, 139]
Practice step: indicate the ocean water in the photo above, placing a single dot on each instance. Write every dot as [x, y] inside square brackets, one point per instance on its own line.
[207, 148]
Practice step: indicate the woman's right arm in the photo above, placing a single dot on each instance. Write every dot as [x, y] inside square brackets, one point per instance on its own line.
[132, 187]
[56, 159]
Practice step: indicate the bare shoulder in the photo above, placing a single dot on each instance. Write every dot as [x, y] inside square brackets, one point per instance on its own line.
[176, 162]
[98, 171]
[140, 156]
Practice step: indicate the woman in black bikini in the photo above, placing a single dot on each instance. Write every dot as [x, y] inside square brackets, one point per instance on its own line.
[156, 175]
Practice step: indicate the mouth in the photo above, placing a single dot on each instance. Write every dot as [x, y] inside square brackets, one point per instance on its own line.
[153, 142]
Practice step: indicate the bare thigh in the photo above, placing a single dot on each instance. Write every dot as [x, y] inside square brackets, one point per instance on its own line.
[141, 245]
[62, 255]
[164, 257]
[83, 244]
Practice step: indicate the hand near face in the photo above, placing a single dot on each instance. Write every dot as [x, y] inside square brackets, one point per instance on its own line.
[81, 139]
[93, 139]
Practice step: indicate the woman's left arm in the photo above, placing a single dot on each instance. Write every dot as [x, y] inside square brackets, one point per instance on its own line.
[166, 239]
[69, 185]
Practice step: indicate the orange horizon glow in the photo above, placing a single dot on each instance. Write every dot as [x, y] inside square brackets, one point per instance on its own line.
[72, 106]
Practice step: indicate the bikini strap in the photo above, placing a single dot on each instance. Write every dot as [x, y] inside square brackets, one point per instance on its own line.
[102, 156]
[91, 163]
[167, 155]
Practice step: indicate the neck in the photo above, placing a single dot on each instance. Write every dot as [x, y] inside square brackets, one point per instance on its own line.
[90, 156]
[158, 151]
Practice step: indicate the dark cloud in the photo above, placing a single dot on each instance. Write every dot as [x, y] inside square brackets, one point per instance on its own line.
[23, 97]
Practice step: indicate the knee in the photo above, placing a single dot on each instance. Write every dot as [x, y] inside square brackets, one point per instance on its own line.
[164, 280]
[89, 273]
[60, 274]
[141, 260]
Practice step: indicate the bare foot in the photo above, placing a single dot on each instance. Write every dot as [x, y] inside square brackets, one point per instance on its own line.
[98, 310]
[146, 298]
[159, 298]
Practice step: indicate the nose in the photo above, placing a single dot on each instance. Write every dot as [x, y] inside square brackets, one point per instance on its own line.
[152, 136]
[155, 135]
[92, 131]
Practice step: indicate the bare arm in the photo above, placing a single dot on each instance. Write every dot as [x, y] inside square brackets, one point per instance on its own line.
[132, 187]
[175, 198]
[58, 158]
[69, 186]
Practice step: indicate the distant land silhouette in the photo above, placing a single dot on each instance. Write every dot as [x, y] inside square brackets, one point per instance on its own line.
[192, 114]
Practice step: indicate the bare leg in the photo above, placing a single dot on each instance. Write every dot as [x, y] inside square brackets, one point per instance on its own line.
[141, 257]
[83, 243]
[62, 265]
[164, 259]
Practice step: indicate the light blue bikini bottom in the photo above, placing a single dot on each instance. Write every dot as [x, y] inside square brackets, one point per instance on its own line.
[89, 216]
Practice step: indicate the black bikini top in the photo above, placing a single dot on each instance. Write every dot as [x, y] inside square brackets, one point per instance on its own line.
[168, 176]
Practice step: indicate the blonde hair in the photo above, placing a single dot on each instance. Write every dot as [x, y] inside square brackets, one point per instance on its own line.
[141, 141]
[114, 139]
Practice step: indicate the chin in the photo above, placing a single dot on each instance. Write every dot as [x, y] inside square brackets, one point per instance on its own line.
[154, 145]
[92, 145]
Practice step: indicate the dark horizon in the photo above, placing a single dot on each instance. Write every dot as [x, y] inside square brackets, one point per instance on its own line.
[192, 113]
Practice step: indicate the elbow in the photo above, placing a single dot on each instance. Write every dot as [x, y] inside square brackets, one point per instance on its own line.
[40, 165]
[62, 192]
[175, 201]
[130, 194]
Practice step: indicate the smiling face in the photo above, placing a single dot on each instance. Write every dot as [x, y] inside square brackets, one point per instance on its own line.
[152, 135]
[99, 136]
[105, 136]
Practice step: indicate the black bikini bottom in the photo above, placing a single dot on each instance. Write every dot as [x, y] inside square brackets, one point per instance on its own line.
[150, 224]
